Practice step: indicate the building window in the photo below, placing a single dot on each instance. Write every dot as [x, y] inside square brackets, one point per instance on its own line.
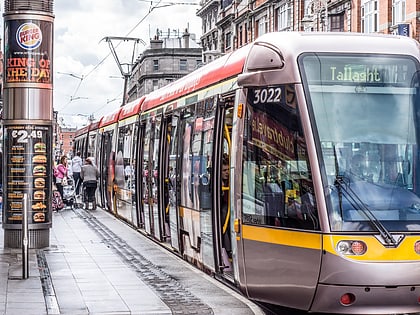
[226, 3]
[155, 65]
[370, 16]
[228, 40]
[398, 11]
[183, 64]
[246, 33]
[215, 44]
[262, 26]
[199, 63]
[282, 17]
[155, 84]
[336, 23]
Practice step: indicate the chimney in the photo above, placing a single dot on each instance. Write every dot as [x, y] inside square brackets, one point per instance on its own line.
[156, 43]
[186, 38]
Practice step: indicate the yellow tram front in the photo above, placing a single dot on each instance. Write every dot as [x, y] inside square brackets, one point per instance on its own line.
[327, 215]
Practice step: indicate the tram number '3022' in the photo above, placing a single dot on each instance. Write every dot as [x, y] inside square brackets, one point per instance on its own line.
[23, 135]
[267, 95]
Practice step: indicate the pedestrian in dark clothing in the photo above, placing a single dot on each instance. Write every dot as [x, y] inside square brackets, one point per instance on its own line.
[90, 176]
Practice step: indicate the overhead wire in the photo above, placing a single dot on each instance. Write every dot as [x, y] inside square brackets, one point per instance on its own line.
[109, 54]
[132, 30]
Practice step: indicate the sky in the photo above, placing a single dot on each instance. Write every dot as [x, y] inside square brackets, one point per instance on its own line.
[87, 80]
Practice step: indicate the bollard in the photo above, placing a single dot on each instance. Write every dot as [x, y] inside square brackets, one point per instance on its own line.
[25, 239]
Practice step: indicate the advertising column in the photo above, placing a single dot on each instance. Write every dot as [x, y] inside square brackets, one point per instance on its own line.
[27, 121]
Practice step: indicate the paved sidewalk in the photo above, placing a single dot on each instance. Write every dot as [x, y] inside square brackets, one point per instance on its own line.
[17, 295]
[97, 264]
[89, 278]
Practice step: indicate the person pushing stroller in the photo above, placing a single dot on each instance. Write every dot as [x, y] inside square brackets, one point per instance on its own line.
[89, 175]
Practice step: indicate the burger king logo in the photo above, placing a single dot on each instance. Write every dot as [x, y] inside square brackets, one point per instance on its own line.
[29, 36]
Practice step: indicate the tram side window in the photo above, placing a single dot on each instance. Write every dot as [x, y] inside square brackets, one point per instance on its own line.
[197, 152]
[124, 169]
[277, 187]
[91, 145]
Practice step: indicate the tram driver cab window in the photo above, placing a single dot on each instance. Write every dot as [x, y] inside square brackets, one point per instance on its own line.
[277, 184]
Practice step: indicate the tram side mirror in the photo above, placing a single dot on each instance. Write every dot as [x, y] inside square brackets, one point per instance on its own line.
[261, 58]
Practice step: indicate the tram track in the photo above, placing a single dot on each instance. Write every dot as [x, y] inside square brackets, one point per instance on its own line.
[178, 299]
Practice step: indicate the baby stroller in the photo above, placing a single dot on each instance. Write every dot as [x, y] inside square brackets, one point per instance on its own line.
[69, 194]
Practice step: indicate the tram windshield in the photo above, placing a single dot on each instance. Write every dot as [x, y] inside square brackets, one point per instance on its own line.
[366, 115]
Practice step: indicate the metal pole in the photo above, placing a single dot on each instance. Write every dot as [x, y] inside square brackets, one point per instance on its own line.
[326, 16]
[25, 239]
[126, 78]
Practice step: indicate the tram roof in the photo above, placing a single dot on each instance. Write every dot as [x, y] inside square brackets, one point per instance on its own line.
[294, 43]
[110, 118]
[216, 71]
[94, 125]
[132, 108]
[81, 131]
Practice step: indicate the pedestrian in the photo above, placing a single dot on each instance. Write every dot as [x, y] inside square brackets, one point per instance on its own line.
[90, 176]
[60, 174]
[77, 168]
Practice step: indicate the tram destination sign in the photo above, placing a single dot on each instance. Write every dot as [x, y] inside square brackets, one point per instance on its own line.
[352, 74]
[370, 69]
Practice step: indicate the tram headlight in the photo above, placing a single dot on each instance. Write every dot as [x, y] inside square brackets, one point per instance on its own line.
[351, 247]
[343, 247]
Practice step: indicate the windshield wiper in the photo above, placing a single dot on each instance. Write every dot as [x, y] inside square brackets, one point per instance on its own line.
[358, 204]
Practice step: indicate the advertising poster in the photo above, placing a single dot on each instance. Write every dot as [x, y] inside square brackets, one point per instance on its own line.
[27, 160]
[28, 52]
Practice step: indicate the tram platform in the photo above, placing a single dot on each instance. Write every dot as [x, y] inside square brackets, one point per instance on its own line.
[96, 264]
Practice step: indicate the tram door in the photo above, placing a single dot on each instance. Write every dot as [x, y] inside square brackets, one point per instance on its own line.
[107, 170]
[169, 184]
[97, 154]
[134, 177]
[139, 174]
[222, 186]
[150, 179]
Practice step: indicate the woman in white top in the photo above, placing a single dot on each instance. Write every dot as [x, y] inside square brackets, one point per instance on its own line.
[77, 168]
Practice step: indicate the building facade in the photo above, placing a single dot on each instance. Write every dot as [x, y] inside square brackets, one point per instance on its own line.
[167, 59]
[230, 24]
[66, 141]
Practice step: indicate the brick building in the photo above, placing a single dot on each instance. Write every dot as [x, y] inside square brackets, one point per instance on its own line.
[230, 24]
[66, 141]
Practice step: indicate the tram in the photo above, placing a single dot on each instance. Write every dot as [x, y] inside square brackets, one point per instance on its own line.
[289, 168]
